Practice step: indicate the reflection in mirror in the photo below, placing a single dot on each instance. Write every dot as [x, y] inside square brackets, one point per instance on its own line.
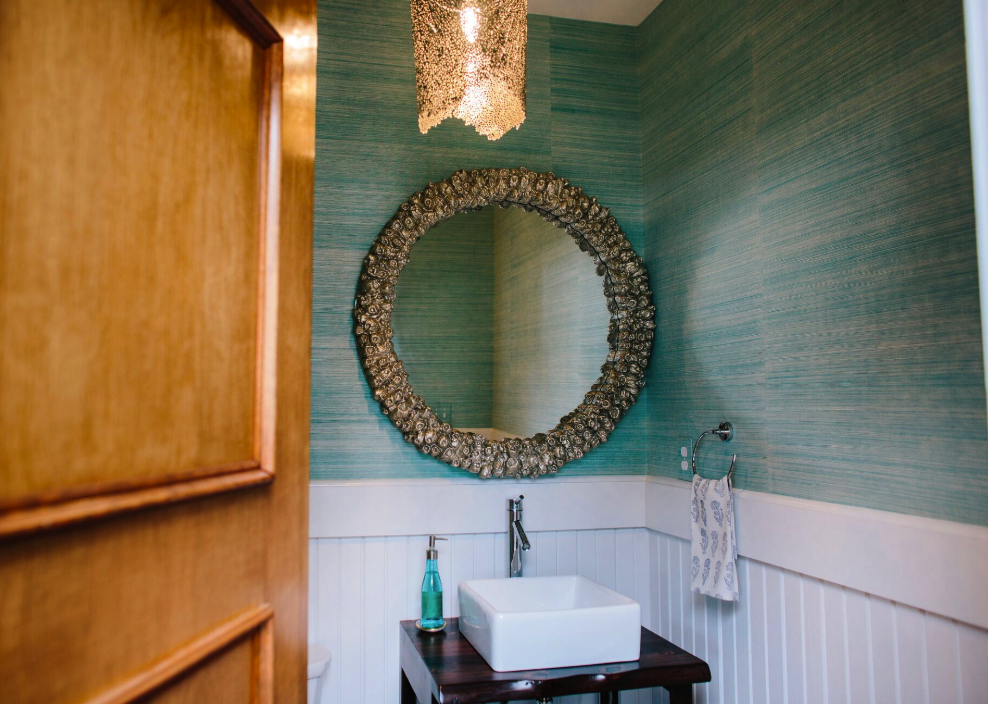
[500, 321]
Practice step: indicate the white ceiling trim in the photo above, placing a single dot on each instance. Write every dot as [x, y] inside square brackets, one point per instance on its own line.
[611, 11]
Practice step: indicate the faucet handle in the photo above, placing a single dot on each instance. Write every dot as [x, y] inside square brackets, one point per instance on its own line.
[515, 504]
[525, 545]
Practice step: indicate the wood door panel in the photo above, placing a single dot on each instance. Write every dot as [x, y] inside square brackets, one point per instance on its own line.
[84, 597]
[156, 182]
[129, 252]
[226, 678]
[189, 673]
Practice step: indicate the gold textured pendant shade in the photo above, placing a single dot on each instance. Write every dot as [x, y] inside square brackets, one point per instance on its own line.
[470, 62]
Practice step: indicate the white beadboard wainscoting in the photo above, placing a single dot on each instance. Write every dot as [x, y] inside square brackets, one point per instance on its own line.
[839, 604]
[794, 638]
[361, 587]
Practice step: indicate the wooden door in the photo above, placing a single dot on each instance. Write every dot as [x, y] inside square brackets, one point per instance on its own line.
[156, 175]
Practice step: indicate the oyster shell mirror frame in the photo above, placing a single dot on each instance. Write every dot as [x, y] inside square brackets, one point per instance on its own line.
[629, 304]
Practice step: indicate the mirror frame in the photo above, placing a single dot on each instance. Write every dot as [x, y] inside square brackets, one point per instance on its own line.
[629, 304]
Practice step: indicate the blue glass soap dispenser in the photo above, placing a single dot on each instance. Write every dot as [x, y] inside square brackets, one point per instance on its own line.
[432, 591]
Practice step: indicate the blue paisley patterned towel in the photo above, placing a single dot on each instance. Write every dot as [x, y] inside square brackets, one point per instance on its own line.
[714, 541]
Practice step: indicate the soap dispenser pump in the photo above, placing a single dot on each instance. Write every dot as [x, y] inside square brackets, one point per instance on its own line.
[432, 591]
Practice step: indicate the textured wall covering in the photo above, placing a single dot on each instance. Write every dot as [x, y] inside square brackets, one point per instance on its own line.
[445, 301]
[370, 157]
[808, 200]
[550, 323]
[807, 195]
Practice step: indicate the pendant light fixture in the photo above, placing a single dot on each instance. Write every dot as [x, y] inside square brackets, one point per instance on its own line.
[470, 62]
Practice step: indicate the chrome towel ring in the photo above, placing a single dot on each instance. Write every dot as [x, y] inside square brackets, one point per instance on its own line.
[725, 431]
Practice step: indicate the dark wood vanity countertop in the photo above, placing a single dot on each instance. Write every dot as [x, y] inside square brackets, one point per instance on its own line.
[443, 667]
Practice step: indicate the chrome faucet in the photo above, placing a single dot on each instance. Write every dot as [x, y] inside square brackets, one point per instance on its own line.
[517, 540]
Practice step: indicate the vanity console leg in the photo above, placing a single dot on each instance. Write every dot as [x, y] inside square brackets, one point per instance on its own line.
[407, 693]
[681, 694]
[608, 698]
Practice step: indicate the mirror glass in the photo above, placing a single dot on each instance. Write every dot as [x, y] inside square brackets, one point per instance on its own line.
[501, 322]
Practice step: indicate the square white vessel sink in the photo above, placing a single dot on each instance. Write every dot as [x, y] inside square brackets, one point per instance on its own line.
[535, 623]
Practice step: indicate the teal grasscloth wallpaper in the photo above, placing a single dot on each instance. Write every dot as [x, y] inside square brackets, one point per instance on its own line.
[810, 237]
[797, 176]
[583, 123]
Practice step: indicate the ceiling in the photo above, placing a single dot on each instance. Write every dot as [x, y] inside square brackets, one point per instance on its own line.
[611, 11]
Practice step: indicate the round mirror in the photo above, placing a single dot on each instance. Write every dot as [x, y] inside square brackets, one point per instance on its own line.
[502, 348]
[500, 322]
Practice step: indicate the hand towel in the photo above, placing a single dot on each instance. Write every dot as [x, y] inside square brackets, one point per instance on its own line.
[713, 567]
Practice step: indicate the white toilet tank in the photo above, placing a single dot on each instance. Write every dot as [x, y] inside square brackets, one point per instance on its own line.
[319, 658]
